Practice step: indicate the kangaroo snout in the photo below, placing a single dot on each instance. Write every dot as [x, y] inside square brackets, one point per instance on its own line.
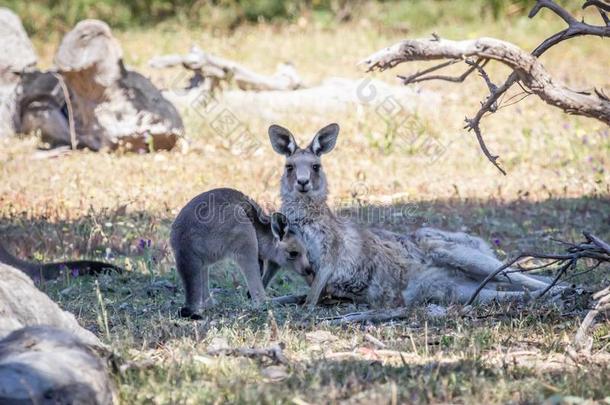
[303, 185]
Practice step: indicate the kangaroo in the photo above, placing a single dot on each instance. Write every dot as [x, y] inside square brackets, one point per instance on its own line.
[374, 266]
[49, 271]
[225, 224]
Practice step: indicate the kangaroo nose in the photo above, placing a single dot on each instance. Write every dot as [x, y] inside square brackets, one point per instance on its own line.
[303, 182]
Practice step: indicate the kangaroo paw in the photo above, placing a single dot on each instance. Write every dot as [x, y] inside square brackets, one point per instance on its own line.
[188, 313]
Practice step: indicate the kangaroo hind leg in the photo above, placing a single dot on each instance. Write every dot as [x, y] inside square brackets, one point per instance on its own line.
[195, 278]
[247, 261]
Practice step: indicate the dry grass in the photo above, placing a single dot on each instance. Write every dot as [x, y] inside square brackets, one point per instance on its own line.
[98, 205]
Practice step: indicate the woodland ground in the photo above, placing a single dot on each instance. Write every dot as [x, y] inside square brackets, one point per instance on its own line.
[110, 205]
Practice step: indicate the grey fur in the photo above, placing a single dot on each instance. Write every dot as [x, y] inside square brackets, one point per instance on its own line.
[378, 267]
[226, 224]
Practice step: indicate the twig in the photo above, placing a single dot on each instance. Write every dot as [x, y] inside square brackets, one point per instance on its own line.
[66, 93]
[274, 353]
[375, 341]
[601, 7]
[373, 316]
[569, 264]
[384, 315]
[582, 340]
[603, 245]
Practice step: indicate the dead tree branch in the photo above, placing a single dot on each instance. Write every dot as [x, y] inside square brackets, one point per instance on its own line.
[214, 69]
[592, 248]
[421, 75]
[526, 68]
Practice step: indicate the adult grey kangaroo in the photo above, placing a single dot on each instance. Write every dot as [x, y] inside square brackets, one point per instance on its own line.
[226, 224]
[374, 266]
[49, 271]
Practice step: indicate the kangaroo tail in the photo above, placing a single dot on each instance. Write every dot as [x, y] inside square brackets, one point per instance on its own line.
[50, 271]
[77, 268]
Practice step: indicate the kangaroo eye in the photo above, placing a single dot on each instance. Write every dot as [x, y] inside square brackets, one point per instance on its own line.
[289, 168]
[293, 254]
[315, 167]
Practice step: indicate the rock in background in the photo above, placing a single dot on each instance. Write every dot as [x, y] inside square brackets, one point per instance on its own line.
[113, 107]
[16, 55]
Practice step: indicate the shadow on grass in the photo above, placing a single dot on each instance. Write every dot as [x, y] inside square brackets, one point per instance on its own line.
[142, 304]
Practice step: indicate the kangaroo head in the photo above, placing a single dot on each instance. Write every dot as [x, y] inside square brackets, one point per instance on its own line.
[304, 177]
[291, 251]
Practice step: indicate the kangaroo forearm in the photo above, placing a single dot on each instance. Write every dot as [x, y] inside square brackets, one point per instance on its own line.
[317, 288]
[270, 272]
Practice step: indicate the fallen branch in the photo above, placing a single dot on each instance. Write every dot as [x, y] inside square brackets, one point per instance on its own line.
[384, 315]
[526, 68]
[582, 339]
[212, 70]
[592, 248]
[274, 353]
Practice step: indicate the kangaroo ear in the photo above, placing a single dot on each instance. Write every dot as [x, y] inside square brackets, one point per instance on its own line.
[279, 225]
[325, 140]
[282, 140]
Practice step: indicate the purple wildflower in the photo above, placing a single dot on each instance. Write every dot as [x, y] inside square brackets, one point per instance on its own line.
[497, 242]
[74, 272]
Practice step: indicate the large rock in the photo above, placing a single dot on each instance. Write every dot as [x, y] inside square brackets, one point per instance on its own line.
[113, 107]
[16, 50]
[46, 365]
[46, 357]
[22, 304]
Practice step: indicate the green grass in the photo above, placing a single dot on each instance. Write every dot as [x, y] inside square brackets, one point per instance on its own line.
[558, 184]
[41, 16]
